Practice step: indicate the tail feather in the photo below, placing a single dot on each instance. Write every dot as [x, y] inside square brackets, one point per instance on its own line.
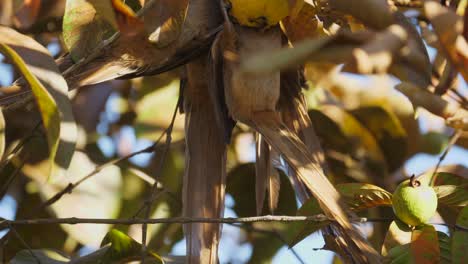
[293, 150]
[205, 171]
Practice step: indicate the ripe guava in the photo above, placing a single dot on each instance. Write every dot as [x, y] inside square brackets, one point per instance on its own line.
[414, 202]
[258, 13]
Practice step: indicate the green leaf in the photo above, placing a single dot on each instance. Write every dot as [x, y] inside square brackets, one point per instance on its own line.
[399, 255]
[49, 110]
[433, 142]
[241, 186]
[298, 231]
[122, 247]
[460, 238]
[398, 234]
[45, 256]
[150, 122]
[86, 24]
[445, 249]
[425, 245]
[447, 178]
[452, 195]
[401, 250]
[387, 129]
[451, 189]
[50, 91]
[351, 149]
[361, 196]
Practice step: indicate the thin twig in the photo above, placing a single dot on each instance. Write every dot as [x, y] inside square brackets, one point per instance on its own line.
[5, 223]
[154, 189]
[453, 139]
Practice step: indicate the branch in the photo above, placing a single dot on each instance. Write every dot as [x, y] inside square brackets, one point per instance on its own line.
[174, 220]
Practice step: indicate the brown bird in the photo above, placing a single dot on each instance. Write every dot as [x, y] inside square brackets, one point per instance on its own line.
[253, 99]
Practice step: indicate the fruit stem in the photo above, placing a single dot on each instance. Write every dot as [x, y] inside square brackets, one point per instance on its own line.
[414, 182]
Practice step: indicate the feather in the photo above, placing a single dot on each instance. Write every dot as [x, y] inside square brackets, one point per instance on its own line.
[294, 151]
[205, 168]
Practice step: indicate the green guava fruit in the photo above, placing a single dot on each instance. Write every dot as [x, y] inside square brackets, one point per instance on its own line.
[414, 202]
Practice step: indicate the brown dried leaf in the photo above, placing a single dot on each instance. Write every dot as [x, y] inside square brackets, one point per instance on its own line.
[377, 55]
[6, 12]
[449, 28]
[455, 117]
[374, 13]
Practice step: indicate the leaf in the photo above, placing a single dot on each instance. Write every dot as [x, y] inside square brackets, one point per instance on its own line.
[122, 247]
[460, 238]
[447, 178]
[445, 250]
[6, 12]
[241, 186]
[373, 13]
[86, 24]
[361, 196]
[350, 147]
[151, 122]
[403, 253]
[387, 129]
[449, 28]
[44, 236]
[97, 197]
[286, 57]
[452, 195]
[398, 234]
[45, 256]
[358, 196]
[298, 231]
[377, 55]
[50, 91]
[425, 245]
